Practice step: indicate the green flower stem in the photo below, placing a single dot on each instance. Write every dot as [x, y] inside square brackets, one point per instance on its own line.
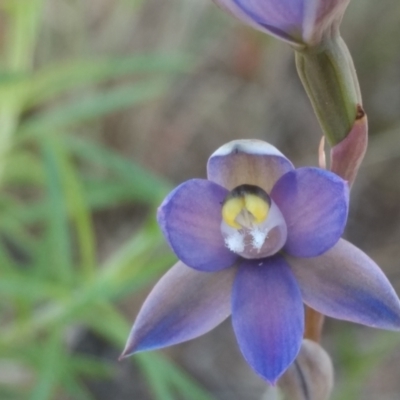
[329, 78]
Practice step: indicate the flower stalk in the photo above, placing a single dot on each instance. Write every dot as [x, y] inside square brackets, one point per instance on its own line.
[314, 322]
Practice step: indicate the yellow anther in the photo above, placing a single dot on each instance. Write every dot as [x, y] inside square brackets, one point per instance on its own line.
[245, 206]
[257, 207]
[231, 209]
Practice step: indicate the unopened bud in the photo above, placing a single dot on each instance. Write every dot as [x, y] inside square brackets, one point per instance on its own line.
[329, 78]
[310, 377]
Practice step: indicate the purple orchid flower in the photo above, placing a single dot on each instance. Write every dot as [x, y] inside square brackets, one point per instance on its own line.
[298, 22]
[256, 240]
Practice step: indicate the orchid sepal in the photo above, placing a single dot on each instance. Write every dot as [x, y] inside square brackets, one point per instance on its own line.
[302, 23]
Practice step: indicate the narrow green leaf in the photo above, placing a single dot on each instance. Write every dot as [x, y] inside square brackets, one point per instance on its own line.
[56, 79]
[51, 369]
[59, 252]
[90, 366]
[93, 106]
[25, 21]
[156, 378]
[79, 211]
[17, 172]
[27, 287]
[163, 375]
[75, 388]
[16, 238]
[80, 302]
[146, 186]
[7, 393]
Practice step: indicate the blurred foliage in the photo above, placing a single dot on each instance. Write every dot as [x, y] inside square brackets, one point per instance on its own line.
[52, 181]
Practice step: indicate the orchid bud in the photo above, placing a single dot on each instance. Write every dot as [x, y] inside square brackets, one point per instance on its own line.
[329, 78]
[310, 377]
[298, 22]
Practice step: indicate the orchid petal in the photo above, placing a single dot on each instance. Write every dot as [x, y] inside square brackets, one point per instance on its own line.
[345, 283]
[251, 162]
[314, 203]
[285, 15]
[296, 22]
[280, 19]
[190, 218]
[183, 305]
[267, 315]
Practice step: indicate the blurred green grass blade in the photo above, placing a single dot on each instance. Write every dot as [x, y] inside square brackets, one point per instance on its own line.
[79, 303]
[183, 383]
[93, 106]
[129, 283]
[102, 194]
[59, 252]
[22, 34]
[56, 79]
[25, 286]
[12, 79]
[7, 393]
[11, 257]
[7, 265]
[161, 388]
[145, 185]
[134, 182]
[114, 328]
[157, 368]
[77, 368]
[79, 212]
[90, 366]
[19, 242]
[140, 262]
[98, 196]
[75, 388]
[18, 174]
[53, 359]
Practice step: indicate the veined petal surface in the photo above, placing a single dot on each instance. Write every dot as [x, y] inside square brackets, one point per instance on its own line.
[314, 203]
[190, 218]
[282, 19]
[285, 15]
[251, 162]
[345, 283]
[183, 305]
[267, 315]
